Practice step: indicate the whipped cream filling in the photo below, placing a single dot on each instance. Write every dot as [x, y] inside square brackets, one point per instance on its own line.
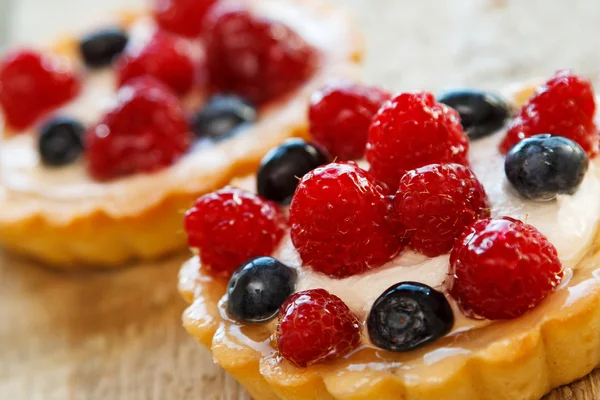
[569, 222]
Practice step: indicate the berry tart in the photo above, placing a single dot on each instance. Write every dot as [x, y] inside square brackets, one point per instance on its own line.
[448, 252]
[108, 138]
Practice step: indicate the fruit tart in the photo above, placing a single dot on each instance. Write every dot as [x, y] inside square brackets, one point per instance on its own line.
[109, 137]
[448, 252]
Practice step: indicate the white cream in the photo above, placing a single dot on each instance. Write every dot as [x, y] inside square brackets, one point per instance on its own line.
[569, 222]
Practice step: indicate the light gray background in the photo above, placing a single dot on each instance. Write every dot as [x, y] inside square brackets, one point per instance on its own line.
[414, 43]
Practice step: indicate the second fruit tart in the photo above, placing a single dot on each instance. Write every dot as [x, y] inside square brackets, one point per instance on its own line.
[463, 264]
[108, 138]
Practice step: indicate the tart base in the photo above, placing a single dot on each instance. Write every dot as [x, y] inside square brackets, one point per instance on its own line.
[145, 221]
[553, 345]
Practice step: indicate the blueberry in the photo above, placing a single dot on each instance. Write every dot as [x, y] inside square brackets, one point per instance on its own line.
[282, 168]
[481, 113]
[100, 48]
[258, 289]
[221, 115]
[409, 315]
[543, 166]
[60, 142]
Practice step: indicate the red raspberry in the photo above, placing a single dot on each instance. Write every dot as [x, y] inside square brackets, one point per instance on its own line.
[436, 203]
[183, 17]
[563, 106]
[231, 226]
[315, 326]
[340, 115]
[341, 221]
[32, 84]
[256, 58]
[145, 131]
[501, 268]
[412, 131]
[163, 58]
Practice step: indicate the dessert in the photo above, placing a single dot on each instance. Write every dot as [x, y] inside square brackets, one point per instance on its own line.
[500, 301]
[107, 138]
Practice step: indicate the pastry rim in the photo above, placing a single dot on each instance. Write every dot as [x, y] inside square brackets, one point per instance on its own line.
[553, 351]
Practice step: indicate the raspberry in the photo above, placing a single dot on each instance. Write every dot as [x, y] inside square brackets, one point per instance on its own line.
[32, 84]
[501, 268]
[436, 203]
[315, 326]
[412, 131]
[145, 131]
[183, 17]
[163, 58]
[563, 106]
[340, 115]
[231, 226]
[256, 58]
[341, 221]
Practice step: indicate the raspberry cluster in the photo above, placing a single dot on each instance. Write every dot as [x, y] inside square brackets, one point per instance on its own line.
[345, 220]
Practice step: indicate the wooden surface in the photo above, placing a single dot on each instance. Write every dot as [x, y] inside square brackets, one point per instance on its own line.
[110, 336]
[100, 336]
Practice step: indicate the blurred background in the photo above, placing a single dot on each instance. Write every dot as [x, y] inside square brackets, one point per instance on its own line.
[411, 44]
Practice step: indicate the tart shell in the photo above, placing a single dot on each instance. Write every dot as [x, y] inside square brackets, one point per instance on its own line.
[107, 231]
[553, 345]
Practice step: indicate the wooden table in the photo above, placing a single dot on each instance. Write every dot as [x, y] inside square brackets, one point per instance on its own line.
[111, 336]
[99, 336]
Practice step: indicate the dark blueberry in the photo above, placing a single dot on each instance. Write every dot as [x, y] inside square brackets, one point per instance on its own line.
[409, 315]
[543, 166]
[481, 113]
[259, 288]
[221, 115]
[282, 168]
[99, 49]
[60, 142]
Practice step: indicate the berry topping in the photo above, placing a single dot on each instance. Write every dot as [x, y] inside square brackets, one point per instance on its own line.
[342, 222]
[412, 131]
[100, 48]
[32, 84]
[563, 106]
[60, 142]
[501, 268]
[340, 115]
[221, 115]
[230, 226]
[256, 58]
[481, 113]
[282, 168]
[436, 203]
[164, 58]
[145, 131]
[543, 166]
[183, 17]
[315, 326]
[409, 315]
[258, 289]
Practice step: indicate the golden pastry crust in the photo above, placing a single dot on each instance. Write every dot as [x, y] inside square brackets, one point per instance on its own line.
[521, 359]
[141, 217]
[555, 344]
